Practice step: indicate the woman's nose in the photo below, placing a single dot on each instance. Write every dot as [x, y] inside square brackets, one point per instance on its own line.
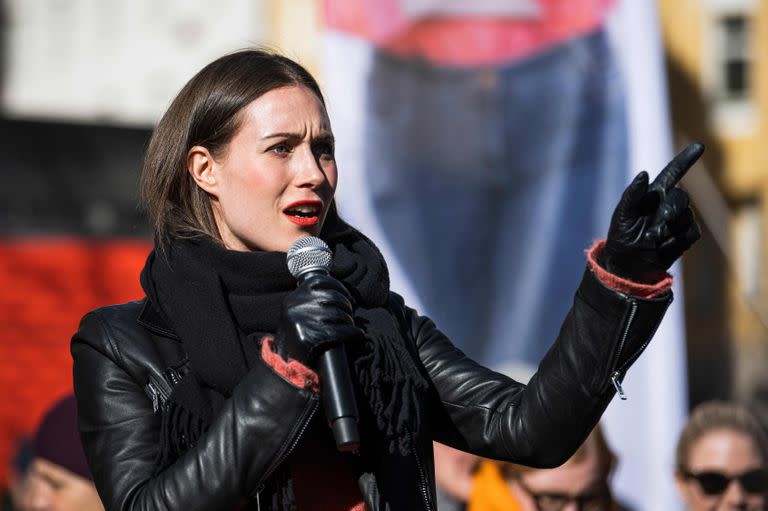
[310, 173]
[734, 493]
[40, 498]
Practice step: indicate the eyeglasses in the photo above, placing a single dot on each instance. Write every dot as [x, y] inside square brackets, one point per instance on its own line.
[597, 500]
[715, 483]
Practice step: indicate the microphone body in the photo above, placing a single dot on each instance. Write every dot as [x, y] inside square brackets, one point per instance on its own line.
[311, 256]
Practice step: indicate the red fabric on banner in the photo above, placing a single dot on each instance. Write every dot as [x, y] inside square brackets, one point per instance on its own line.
[48, 284]
[467, 40]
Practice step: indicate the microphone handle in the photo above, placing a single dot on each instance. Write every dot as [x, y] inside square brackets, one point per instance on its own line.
[337, 392]
[339, 398]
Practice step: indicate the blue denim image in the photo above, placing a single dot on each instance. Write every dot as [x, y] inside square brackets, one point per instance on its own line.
[489, 183]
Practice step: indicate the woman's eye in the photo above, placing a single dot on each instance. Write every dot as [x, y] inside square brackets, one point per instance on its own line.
[280, 149]
[324, 151]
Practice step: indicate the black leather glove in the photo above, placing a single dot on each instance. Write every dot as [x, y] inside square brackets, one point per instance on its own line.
[652, 225]
[314, 317]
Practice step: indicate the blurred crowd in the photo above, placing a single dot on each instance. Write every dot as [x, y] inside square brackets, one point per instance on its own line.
[721, 463]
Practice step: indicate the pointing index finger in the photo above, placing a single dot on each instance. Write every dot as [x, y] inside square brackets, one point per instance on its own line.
[676, 169]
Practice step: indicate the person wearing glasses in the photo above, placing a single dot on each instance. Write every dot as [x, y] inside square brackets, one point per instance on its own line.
[721, 459]
[580, 484]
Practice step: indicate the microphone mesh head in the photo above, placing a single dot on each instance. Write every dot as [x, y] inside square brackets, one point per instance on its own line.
[308, 254]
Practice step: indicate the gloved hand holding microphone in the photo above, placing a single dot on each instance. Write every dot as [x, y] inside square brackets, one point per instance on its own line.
[316, 316]
[315, 324]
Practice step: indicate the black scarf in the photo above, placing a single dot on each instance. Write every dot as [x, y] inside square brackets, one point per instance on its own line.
[222, 302]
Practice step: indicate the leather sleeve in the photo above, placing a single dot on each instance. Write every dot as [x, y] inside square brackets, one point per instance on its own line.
[543, 423]
[120, 432]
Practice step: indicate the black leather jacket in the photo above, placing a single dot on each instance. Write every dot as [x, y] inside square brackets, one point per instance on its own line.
[126, 361]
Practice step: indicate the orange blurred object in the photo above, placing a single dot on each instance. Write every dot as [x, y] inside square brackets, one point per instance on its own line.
[48, 285]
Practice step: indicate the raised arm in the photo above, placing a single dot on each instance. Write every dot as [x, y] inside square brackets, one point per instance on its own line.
[604, 333]
[543, 423]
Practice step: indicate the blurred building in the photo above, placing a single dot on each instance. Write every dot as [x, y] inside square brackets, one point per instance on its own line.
[120, 62]
[717, 56]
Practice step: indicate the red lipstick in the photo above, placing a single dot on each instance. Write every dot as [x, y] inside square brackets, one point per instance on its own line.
[305, 213]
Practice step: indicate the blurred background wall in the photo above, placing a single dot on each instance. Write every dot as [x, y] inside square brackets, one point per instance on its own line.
[717, 62]
[83, 82]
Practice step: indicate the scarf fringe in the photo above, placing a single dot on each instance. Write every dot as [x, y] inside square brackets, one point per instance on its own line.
[179, 430]
[391, 381]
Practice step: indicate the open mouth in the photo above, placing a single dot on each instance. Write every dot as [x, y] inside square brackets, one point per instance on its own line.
[304, 212]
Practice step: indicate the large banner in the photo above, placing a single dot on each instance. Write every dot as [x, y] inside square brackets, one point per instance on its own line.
[483, 146]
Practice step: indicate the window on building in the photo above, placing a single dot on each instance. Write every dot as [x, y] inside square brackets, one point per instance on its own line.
[735, 56]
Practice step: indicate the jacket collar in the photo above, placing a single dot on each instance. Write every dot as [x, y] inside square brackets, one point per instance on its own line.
[152, 318]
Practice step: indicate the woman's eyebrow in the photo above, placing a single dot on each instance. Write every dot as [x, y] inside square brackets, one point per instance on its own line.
[54, 481]
[283, 134]
[325, 136]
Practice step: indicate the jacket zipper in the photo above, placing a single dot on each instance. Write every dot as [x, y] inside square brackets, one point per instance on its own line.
[157, 393]
[173, 375]
[154, 395]
[305, 420]
[159, 390]
[422, 476]
[617, 371]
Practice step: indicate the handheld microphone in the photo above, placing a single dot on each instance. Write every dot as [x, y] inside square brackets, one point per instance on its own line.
[307, 256]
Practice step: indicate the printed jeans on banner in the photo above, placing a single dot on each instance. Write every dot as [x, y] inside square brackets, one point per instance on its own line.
[489, 184]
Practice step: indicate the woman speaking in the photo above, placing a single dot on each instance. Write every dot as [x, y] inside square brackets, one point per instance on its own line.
[204, 395]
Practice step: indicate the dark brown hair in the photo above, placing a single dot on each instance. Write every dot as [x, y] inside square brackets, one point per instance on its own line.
[206, 113]
[718, 416]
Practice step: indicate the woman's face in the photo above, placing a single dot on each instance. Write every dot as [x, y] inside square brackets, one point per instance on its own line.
[725, 452]
[276, 178]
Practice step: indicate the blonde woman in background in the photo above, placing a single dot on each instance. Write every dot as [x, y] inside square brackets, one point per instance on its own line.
[721, 459]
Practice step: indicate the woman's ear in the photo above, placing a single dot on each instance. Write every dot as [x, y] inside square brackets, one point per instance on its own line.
[203, 169]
